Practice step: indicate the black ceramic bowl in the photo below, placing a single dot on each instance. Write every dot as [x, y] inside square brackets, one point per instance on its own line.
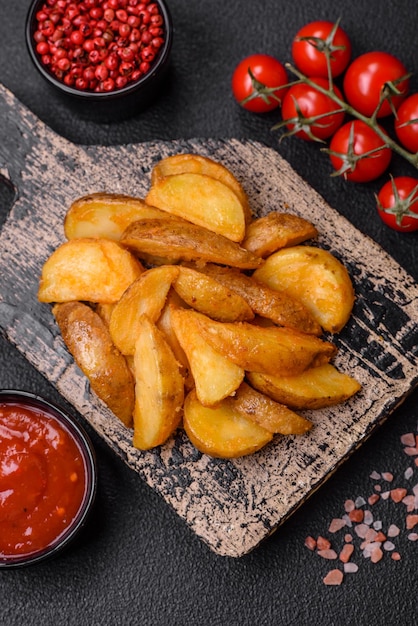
[48, 479]
[111, 105]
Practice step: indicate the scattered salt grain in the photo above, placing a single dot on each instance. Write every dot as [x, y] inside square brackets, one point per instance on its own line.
[350, 568]
[377, 525]
[409, 472]
[411, 451]
[385, 495]
[356, 515]
[349, 505]
[388, 476]
[413, 536]
[328, 554]
[408, 439]
[322, 543]
[348, 538]
[361, 530]
[378, 488]
[393, 530]
[409, 502]
[395, 556]
[411, 521]
[375, 475]
[373, 499]
[360, 501]
[388, 546]
[334, 577]
[376, 555]
[368, 517]
[310, 543]
[336, 525]
[346, 552]
[398, 494]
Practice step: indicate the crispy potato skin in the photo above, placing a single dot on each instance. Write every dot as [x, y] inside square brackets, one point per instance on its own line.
[105, 215]
[274, 231]
[211, 297]
[186, 242]
[279, 307]
[221, 431]
[270, 350]
[271, 415]
[90, 270]
[317, 388]
[159, 388]
[317, 278]
[202, 200]
[198, 164]
[88, 340]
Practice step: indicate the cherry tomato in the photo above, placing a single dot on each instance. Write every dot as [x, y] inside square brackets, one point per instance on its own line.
[366, 77]
[358, 153]
[255, 93]
[302, 103]
[397, 204]
[310, 43]
[406, 131]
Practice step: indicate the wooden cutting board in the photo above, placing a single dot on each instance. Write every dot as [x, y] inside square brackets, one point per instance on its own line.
[232, 505]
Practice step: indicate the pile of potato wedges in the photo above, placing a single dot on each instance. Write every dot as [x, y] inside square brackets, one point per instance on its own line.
[185, 311]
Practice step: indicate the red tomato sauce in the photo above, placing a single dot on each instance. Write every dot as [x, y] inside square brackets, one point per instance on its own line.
[42, 479]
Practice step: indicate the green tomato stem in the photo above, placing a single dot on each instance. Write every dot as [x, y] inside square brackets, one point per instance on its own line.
[370, 121]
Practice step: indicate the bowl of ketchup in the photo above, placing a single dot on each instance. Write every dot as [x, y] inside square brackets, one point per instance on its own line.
[48, 479]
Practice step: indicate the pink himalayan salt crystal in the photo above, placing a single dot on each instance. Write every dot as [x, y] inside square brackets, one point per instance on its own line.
[375, 475]
[346, 552]
[328, 554]
[361, 530]
[336, 525]
[376, 555]
[388, 546]
[396, 556]
[398, 494]
[348, 538]
[322, 543]
[334, 577]
[393, 530]
[411, 451]
[368, 517]
[409, 472]
[411, 521]
[408, 439]
[373, 499]
[413, 536]
[310, 543]
[388, 476]
[350, 568]
[349, 505]
[409, 502]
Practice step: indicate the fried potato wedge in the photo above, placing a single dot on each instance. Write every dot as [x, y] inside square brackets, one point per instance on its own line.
[215, 376]
[197, 164]
[221, 431]
[316, 388]
[211, 297]
[88, 340]
[187, 242]
[105, 215]
[271, 415]
[314, 276]
[271, 350]
[146, 296]
[165, 324]
[279, 307]
[276, 230]
[159, 388]
[92, 270]
[202, 200]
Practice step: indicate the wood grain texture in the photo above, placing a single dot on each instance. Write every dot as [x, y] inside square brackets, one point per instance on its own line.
[230, 505]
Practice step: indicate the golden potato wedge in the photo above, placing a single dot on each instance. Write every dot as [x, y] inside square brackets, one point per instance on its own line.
[317, 278]
[209, 296]
[271, 415]
[186, 241]
[197, 164]
[88, 340]
[279, 307]
[316, 388]
[159, 388]
[105, 215]
[215, 376]
[276, 230]
[165, 324]
[222, 431]
[146, 296]
[92, 270]
[104, 310]
[282, 351]
[202, 200]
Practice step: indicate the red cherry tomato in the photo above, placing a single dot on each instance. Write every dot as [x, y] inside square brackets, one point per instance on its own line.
[310, 42]
[397, 204]
[250, 92]
[365, 78]
[406, 124]
[303, 102]
[358, 153]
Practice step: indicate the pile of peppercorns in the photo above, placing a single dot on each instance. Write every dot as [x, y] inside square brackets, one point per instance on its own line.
[98, 45]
